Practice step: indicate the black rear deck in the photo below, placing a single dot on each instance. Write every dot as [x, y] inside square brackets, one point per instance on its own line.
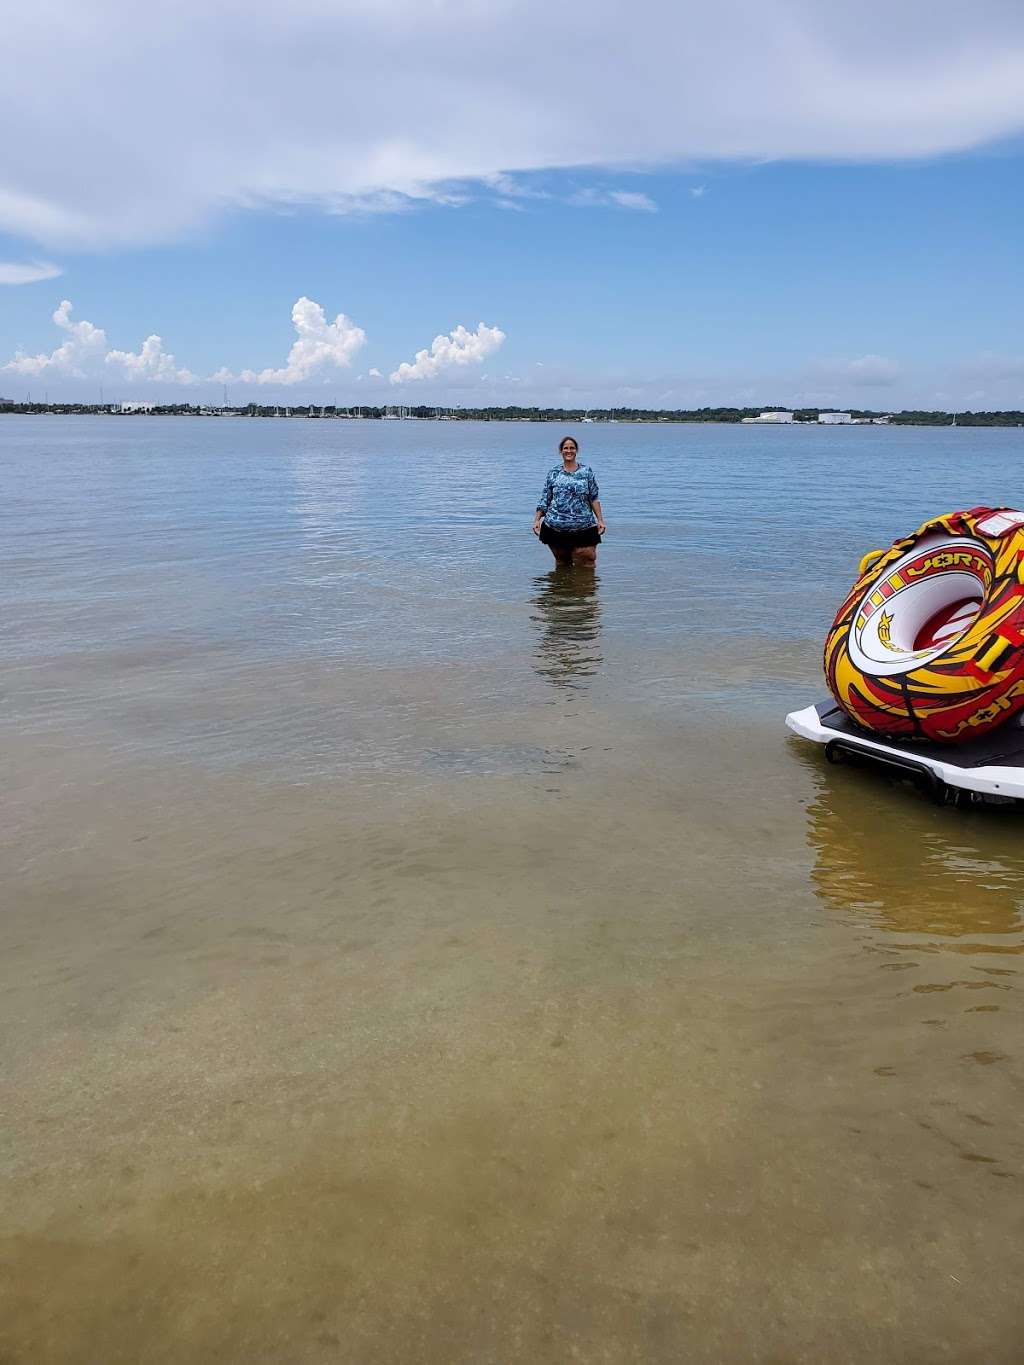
[1003, 746]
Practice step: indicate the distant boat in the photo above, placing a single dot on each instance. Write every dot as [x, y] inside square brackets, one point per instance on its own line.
[587, 418]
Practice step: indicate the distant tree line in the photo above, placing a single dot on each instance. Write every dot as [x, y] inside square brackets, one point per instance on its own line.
[907, 417]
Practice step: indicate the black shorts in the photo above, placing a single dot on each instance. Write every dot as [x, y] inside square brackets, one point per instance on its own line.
[566, 541]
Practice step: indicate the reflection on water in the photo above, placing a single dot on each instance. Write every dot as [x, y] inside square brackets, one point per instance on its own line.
[916, 869]
[568, 614]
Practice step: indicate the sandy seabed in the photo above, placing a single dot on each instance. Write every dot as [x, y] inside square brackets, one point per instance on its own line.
[569, 1044]
[411, 954]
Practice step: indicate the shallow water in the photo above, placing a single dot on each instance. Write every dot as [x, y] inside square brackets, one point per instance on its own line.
[411, 952]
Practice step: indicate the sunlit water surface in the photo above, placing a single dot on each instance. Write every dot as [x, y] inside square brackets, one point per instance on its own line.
[413, 953]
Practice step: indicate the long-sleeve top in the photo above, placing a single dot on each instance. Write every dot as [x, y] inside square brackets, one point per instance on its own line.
[565, 502]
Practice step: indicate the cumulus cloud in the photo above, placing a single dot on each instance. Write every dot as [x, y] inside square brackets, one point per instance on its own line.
[320, 345]
[459, 347]
[470, 94]
[27, 272]
[151, 361]
[85, 354]
[80, 355]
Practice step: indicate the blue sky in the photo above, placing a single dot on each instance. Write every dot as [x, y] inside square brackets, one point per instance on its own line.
[881, 276]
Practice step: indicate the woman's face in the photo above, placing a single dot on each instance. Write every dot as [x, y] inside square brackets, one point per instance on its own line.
[569, 451]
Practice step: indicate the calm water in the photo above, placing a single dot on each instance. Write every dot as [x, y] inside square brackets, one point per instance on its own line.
[412, 953]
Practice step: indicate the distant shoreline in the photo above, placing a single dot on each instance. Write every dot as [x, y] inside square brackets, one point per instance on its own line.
[707, 416]
[710, 416]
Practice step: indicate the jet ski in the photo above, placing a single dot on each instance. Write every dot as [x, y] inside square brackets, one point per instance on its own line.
[985, 771]
[925, 660]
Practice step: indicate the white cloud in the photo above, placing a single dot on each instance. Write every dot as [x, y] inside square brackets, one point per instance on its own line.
[698, 191]
[320, 345]
[27, 272]
[510, 189]
[995, 368]
[459, 347]
[866, 371]
[150, 362]
[81, 354]
[374, 373]
[85, 354]
[628, 199]
[370, 106]
[623, 199]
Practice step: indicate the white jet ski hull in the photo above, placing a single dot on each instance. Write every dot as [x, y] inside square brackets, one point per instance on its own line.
[990, 768]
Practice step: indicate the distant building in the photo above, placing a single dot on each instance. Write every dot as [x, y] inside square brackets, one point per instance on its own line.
[6, 402]
[835, 419]
[772, 416]
[137, 407]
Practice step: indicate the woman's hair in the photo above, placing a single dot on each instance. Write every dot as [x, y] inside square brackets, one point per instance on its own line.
[568, 438]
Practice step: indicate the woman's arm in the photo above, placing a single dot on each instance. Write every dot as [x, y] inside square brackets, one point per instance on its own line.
[544, 504]
[592, 493]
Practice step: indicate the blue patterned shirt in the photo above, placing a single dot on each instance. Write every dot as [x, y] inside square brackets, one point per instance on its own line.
[566, 499]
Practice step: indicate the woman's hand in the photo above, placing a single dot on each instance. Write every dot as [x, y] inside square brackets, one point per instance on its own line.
[600, 526]
[536, 526]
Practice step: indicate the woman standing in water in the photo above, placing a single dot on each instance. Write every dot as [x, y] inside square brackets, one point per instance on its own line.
[569, 520]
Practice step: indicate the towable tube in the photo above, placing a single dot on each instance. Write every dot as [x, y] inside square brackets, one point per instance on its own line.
[930, 641]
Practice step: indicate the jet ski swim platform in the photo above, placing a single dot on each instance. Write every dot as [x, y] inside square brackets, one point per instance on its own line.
[984, 771]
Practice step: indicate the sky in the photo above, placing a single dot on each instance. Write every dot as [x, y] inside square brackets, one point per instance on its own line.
[798, 202]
